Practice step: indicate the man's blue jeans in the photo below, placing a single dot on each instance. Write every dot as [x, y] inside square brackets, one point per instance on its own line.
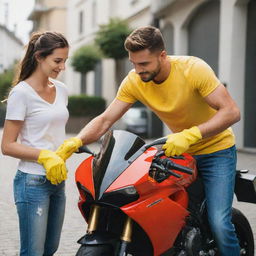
[218, 171]
[40, 206]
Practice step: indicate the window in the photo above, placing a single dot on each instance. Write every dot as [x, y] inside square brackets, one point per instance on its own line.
[94, 14]
[81, 22]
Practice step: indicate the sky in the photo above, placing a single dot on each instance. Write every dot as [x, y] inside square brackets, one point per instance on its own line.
[18, 11]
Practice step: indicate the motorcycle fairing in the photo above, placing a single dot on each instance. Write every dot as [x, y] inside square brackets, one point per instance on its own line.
[120, 149]
[83, 175]
[168, 200]
[158, 214]
[136, 173]
[115, 167]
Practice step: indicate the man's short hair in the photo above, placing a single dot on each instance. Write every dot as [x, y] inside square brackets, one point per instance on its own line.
[142, 38]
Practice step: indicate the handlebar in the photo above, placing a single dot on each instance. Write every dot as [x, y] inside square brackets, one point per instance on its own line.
[84, 149]
[169, 164]
[159, 141]
[162, 168]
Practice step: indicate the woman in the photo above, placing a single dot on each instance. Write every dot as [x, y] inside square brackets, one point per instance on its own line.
[37, 115]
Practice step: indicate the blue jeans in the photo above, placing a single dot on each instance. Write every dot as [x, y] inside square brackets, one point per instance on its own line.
[218, 172]
[40, 206]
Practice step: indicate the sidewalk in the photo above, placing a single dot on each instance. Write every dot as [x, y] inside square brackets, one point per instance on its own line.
[74, 225]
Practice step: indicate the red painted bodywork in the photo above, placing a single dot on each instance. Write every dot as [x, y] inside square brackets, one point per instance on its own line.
[161, 208]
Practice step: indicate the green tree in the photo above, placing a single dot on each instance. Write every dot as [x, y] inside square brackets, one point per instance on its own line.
[85, 58]
[110, 38]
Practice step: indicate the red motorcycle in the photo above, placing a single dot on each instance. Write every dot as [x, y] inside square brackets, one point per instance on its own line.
[138, 202]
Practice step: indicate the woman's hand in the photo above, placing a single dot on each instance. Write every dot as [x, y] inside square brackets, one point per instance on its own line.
[55, 167]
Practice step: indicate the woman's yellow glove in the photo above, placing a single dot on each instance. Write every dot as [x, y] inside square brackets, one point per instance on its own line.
[69, 146]
[55, 167]
[178, 143]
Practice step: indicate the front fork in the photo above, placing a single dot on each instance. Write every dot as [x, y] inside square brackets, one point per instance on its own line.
[93, 219]
[126, 236]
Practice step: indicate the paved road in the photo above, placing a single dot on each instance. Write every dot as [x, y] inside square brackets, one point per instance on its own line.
[74, 225]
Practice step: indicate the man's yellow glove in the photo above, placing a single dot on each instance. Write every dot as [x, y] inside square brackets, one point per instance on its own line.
[178, 143]
[55, 167]
[69, 146]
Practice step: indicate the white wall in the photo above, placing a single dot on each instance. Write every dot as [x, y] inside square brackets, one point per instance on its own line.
[232, 56]
[10, 50]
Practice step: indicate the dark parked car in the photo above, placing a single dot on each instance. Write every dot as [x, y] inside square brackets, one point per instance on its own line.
[136, 120]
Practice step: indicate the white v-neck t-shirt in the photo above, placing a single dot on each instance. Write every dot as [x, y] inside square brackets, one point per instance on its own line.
[44, 123]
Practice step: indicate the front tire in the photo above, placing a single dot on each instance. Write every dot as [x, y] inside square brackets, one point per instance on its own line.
[95, 250]
[244, 232]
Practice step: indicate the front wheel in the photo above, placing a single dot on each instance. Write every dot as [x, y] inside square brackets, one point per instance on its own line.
[244, 233]
[95, 250]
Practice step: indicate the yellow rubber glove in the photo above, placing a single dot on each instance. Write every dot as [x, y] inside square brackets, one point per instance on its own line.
[55, 167]
[178, 143]
[69, 146]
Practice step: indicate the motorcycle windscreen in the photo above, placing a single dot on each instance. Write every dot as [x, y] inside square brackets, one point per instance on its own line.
[119, 149]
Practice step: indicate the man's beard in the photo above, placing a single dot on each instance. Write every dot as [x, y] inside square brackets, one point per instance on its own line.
[151, 75]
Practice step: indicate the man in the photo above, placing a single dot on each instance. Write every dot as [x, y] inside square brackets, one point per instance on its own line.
[185, 94]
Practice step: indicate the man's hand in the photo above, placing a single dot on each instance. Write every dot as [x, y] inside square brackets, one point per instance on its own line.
[69, 146]
[55, 167]
[178, 143]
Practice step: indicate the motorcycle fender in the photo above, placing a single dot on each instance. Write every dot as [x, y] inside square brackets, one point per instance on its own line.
[245, 187]
[98, 238]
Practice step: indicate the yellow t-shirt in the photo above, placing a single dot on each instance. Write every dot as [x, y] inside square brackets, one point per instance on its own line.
[179, 100]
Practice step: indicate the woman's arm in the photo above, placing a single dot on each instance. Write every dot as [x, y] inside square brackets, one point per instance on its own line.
[11, 147]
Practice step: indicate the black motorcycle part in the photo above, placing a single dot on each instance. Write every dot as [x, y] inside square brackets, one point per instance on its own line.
[123, 248]
[99, 238]
[245, 188]
[193, 242]
[98, 243]
[244, 232]
[95, 250]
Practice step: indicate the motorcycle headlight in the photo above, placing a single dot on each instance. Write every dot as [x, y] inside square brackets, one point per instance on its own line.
[121, 197]
[130, 190]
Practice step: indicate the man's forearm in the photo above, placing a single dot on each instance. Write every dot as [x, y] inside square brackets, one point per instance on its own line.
[94, 130]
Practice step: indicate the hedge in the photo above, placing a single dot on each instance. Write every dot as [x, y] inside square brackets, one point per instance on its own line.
[83, 105]
[2, 114]
[6, 79]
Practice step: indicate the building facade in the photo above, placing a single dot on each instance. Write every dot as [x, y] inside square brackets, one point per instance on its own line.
[50, 15]
[10, 50]
[84, 19]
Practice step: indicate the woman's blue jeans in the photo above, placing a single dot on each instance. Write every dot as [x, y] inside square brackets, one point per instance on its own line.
[40, 206]
[218, 172]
